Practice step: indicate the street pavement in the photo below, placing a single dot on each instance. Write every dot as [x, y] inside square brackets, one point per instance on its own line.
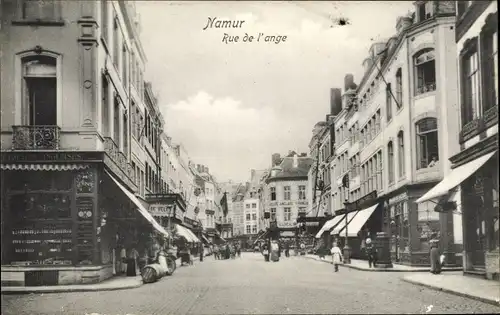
[249, 285]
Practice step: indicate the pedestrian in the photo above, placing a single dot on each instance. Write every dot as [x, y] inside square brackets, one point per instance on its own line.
[201, 252]
[336, 256]
[434, 255]
[275, 251]
[371, 252]
[265, 252]
[287, 249]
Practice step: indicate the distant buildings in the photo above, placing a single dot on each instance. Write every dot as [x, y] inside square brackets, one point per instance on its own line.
[284, 193]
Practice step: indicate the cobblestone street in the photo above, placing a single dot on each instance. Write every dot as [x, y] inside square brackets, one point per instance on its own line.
[251, 286]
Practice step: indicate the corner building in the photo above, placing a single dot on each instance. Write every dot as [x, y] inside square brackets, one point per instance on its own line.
[395, 136]
[70, 197]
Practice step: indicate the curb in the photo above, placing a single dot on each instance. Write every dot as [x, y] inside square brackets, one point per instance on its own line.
[28, 290]
[470, 296]
[383, 269]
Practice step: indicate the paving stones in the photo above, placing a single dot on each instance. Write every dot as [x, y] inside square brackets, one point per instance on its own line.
[251, 286]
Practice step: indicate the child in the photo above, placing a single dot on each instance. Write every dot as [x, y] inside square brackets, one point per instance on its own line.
[336, 256]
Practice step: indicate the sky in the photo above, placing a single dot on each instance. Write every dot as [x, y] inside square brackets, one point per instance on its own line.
[233, 104]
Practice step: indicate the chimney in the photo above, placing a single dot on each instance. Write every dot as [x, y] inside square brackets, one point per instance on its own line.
[295, 161]
[348, 81]
[402, 23]
[335, 101]
[276, 159]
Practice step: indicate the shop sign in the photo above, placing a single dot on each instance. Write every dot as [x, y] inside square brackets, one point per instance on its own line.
[286, 224]
[302, 203]
[361, 202]
[273, 203]
[398, 198]
[10, 157]
[286, 203]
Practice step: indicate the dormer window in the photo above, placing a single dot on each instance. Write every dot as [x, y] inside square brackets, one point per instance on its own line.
[425, 10]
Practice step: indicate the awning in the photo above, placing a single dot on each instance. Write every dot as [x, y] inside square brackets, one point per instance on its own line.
[457, 176]
[207, 241]
[329, 225]
[193, 236]
[43, 167]
[342, 224]
[140, 207]
[359, 220]
[184, 232]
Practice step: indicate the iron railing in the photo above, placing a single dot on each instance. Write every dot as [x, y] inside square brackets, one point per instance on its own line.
[42, 137]
[112, 150]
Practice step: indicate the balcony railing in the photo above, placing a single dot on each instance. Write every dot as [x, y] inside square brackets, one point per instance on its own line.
[118, 157]
[45, 137]
[428, 87]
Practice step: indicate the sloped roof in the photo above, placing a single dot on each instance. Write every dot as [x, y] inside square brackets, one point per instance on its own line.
[239, 194]
[288, 171]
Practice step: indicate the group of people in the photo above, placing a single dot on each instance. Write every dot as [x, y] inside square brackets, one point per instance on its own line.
[272, 250]
[227, 251]
[369, 248]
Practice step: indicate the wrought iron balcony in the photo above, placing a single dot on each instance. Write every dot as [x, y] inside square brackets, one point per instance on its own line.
[112, 150]
[44, 137]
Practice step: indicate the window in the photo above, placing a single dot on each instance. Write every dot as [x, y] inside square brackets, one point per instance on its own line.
[390, 161]
[399, 88]
[401, 154]
[489, 57]
[249, 229]
[425, 70]
[388, 101]
[302, 192]
[254, 229]
[40, 88]
[247, 206]
[125, 65]
[273, 214]
[302, 209]
[248, 218]
[427, 143]
[471, 85]
[104, 19]
[288, 214]
[425, 11]
[428, 223]
[254, 216]
[116, 122]
[125, 134]
[273, 193]
[462, 6]
[47, 10]
[286, 195]
[116, 42]
[254, 205]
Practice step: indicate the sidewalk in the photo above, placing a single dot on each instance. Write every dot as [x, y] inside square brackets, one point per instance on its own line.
[111, 284]
[363, 265]
[114, 283]
[483, 290]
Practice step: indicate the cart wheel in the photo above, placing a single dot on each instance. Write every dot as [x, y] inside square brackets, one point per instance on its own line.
[171, 265]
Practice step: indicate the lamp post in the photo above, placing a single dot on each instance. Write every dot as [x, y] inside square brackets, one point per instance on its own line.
[347, 249]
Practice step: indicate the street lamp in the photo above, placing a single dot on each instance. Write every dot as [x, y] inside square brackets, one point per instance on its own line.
[347, 249]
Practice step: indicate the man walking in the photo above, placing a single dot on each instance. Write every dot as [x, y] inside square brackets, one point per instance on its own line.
[371, 252]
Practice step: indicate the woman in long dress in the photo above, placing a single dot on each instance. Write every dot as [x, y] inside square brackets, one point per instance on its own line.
[275, 251]
[434, 256]
[336, 256]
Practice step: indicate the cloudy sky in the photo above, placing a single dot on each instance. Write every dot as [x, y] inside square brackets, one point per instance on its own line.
[233, 105]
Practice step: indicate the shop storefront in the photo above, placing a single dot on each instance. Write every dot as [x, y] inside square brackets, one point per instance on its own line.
[65, 218]
[471, 189]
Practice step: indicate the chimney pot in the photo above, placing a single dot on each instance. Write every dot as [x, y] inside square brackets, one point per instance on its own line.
[335, 101]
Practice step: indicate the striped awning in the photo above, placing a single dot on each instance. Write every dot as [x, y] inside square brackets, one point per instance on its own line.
[42, 167]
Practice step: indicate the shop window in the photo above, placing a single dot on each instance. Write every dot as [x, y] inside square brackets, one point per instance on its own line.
[47, 10]
[287, 214]
[427, 143]
[249, 229]
[401, 154]
[427, 224]
[287, 193]
[390, 161]
[425, 71]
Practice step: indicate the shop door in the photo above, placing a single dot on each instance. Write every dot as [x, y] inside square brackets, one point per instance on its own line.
[478, 222]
